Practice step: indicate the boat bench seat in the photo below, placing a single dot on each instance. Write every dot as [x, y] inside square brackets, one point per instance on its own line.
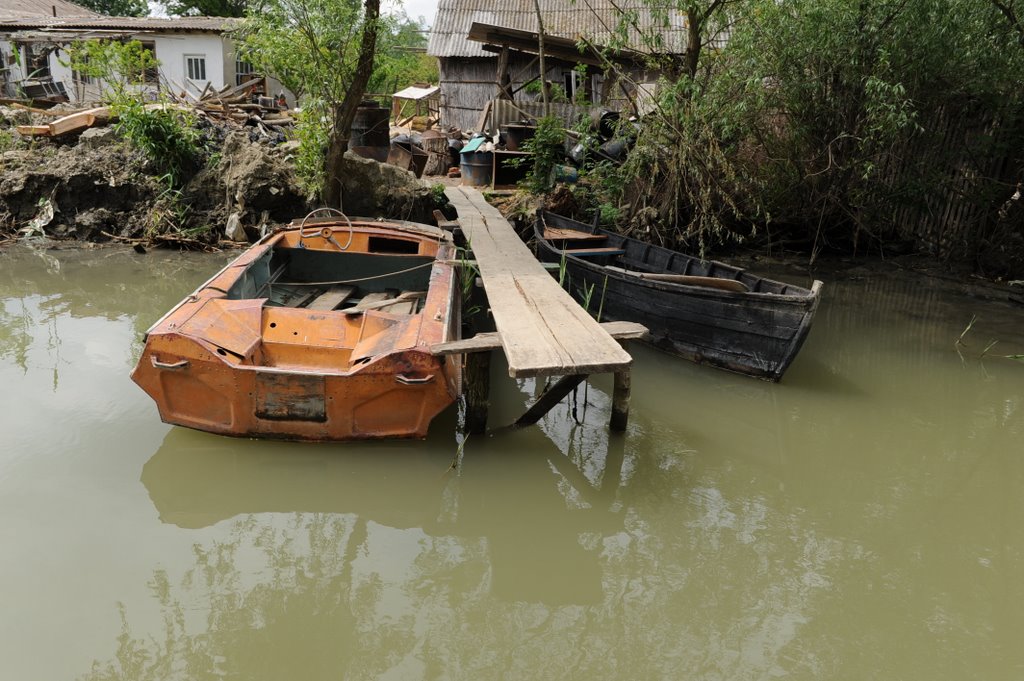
[584, 252]
[556, 234]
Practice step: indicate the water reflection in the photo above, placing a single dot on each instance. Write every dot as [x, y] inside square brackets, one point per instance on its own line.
[383, 562]
[860, 520]
[196, 480]
[39, 288]
[581, 556]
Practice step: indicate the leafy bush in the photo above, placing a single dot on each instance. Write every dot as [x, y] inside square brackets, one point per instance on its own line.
[164, 133]
[820, 117]
[547, 147]
[167, 136]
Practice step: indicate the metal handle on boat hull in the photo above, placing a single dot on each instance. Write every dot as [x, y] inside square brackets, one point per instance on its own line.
[408, 380]
[157, 364]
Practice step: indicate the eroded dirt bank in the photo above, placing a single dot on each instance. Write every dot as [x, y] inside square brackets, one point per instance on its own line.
[96, 187]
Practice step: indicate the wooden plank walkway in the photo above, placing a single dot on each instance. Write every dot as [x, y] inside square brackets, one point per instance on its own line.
[543, 331]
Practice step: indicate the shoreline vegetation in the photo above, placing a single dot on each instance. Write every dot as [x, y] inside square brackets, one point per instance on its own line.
[813, 128]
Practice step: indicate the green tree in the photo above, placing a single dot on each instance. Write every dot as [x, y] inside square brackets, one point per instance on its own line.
[401, 55]
[835, 94]
[678, 170]
[117, 8]
[812, 114]
[119, 67]
[322, 50]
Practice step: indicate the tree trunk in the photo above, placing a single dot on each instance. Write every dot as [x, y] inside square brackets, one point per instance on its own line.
[345, 112]
[540, 55]
[694, 19]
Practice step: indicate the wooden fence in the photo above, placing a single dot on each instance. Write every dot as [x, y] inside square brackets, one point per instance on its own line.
[963, 159]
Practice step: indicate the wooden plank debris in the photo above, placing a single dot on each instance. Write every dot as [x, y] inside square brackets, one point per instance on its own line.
[332, 298]
[620, 331]
[406, 301]
[583, 252]
[75, 122]
[33, 130]
[233, 105]
[372, 300]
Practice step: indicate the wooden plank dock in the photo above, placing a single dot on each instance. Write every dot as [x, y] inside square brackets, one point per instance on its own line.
[544, 332]
[541, 329]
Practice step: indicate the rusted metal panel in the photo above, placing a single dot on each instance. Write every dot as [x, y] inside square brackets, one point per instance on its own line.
[230, 325]
[290, 397]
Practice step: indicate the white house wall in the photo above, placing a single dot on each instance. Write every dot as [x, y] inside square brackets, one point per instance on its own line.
[171, 51]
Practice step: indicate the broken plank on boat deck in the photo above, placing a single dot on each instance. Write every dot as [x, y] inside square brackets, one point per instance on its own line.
[399, 307]
[292, 295]
[332, 298]
[543, 331]
[372, 300]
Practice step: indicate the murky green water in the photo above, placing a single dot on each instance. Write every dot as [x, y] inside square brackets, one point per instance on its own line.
[862, 520]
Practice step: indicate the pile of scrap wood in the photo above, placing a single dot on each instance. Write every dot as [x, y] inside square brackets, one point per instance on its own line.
[239, 105]
[233, 106]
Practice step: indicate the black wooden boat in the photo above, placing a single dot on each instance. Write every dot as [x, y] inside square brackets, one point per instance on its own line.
[701, 310]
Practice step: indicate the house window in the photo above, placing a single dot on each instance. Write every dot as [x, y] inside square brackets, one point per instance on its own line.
[574, 84]
[195, 67]
[37, 59]
[244, 71]
[152, 74]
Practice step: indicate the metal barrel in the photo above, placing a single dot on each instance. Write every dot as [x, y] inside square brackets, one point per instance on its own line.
[476, 167]
[371, 131]
[515, 134]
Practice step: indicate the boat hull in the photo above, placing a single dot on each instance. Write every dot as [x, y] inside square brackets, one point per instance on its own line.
[227, 363]
[753, 333]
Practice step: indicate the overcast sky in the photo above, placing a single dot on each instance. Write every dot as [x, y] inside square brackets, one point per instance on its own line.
[414, 8]
[418, 8]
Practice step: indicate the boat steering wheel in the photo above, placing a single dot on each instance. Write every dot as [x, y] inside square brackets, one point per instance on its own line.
[325, 232]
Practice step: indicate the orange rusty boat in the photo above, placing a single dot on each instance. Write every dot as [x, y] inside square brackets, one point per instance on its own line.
[321, 331]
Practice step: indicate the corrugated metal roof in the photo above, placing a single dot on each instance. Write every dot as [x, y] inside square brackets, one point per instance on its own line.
[24, 9]
[171, 25]
[594, 19]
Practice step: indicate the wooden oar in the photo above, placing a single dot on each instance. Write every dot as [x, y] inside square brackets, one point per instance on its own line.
[687, 279]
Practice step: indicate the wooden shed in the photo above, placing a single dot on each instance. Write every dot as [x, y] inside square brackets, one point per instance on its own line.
[477, 41]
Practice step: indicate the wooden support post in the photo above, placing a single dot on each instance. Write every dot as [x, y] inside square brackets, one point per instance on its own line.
[502, 78]
[476, 377]
[549, 399]
[620, 399]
